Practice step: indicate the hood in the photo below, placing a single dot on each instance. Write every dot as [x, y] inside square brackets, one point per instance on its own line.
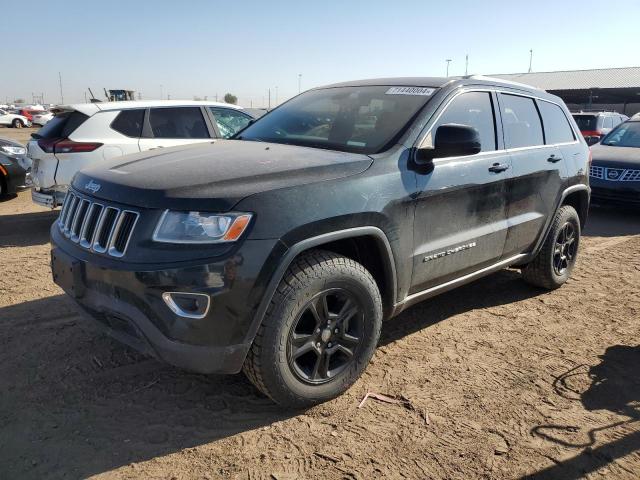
[214, 176]
[621, 157]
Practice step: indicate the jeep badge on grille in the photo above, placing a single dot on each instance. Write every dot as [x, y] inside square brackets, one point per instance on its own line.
[92, 186]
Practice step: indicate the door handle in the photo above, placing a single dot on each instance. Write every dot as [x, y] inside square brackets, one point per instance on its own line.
[498, 167]
[554, 159]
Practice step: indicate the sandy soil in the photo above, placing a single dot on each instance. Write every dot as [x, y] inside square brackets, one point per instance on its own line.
[499, 380]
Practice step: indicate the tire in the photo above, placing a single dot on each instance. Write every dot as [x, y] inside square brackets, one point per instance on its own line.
[317, 282]
[17, 123]
[553, 265]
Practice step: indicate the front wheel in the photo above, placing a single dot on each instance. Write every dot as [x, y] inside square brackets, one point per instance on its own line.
[17, 123]
[319, 332]
[553, 265]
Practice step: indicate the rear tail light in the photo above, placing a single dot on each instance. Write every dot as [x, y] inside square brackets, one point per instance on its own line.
[591, 133]
[64, 145]
[47, 144]
[69, 146]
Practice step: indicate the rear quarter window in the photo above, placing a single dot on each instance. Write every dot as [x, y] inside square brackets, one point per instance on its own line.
[129, 122]
[62, 125]
[556, 126]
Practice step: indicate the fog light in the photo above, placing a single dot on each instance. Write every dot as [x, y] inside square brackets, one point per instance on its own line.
[188, 305]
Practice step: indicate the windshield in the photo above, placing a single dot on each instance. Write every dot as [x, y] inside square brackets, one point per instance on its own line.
[624, 135]
[348, 119]
[586, 122]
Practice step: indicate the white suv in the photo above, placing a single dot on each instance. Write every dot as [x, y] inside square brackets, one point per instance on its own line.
[13, 120]
[86, 133]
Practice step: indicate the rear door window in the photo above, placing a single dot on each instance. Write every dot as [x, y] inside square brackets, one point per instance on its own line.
[229, 121]
[61, 125]
[556, 125]
[521, 121]
[178, 122]
[473, 109]
[129, 122]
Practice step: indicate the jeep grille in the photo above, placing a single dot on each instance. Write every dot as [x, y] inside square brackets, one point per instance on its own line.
[95, 226]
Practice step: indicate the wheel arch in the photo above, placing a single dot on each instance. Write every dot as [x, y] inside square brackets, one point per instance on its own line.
[578, 198]
[575, 195]
[367, 245]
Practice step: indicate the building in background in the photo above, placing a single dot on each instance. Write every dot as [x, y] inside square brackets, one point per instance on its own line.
[610, 89]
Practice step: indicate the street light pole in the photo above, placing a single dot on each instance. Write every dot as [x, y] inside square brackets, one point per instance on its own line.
[530, 59]
[299, 82]
[448, 62]
[61, 95]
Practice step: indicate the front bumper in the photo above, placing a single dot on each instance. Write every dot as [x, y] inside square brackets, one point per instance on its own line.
[49, 199]
[129, 305]
[615, 191]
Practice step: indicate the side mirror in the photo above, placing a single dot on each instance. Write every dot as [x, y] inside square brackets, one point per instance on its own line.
[451, 140]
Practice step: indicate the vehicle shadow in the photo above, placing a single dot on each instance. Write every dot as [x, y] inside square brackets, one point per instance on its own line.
[609, 221]
[6, 198]
[614, 386]
[76, 403]
[500, 288]
[26, 229]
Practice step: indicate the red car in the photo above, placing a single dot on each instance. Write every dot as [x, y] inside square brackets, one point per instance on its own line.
[595, 125]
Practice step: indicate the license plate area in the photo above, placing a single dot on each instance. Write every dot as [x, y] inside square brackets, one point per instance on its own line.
[68, 273]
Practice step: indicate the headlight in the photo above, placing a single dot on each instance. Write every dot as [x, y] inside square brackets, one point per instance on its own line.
[13, 150]
[200, 227]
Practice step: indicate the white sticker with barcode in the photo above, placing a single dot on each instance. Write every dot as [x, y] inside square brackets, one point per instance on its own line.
[426, 91]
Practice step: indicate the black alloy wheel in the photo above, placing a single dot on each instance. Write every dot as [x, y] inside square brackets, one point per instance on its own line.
[323, 341]
[565, 249]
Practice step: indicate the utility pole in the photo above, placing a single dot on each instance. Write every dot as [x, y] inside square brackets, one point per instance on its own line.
[61, 96]
[448, 60]
[466, 65]
[530, 59]
[269, 107]
[299, 82]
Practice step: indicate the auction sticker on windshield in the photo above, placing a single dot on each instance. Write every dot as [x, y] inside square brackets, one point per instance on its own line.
[410, 91]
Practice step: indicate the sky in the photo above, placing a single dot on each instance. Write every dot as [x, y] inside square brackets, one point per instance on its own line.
[206, 48]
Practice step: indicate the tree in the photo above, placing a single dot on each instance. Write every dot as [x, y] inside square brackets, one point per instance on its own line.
[229, 98]
[196, 98]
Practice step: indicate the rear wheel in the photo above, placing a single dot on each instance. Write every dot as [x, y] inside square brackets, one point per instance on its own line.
[319, 332]
[553, 265]
[17, 123]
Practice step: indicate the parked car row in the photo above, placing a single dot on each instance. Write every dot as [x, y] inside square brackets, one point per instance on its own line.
[86, 134]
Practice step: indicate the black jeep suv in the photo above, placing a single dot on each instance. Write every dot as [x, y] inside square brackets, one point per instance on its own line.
[280, 252]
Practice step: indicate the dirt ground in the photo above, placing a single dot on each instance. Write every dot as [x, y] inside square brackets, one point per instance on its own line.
[500, 380]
